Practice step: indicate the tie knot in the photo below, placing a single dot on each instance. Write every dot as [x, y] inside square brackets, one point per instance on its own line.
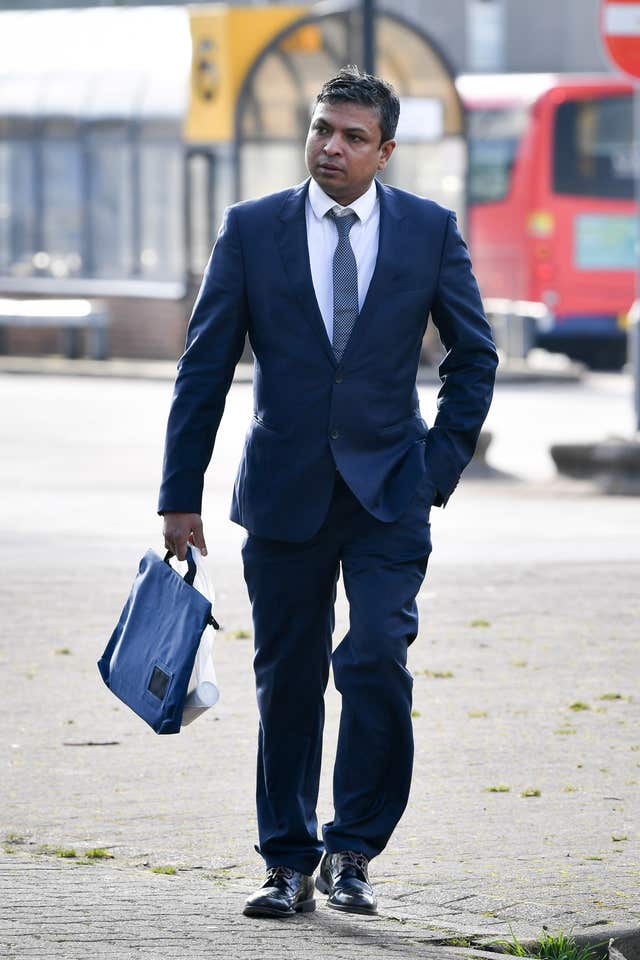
[343, 221]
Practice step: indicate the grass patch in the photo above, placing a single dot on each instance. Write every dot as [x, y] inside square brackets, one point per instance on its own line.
[579, 705]
[569, 788]
[436, 674]
[63, 651]
[549, 947]
[479, 622]
[240, 635]
[619, 838]
[475, 714]
[99, 853]
[610, 696]
[416, 713]
[14, 838]
[565, 731]
[168, 869]
[594, 858]
[531, 792]
[498, 788]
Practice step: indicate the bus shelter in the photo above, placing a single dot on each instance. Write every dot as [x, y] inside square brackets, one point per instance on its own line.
[126, 131]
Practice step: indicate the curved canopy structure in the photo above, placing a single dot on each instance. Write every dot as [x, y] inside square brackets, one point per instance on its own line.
[276, 101]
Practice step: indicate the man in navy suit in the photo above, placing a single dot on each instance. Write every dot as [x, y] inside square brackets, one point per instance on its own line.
[333, 281]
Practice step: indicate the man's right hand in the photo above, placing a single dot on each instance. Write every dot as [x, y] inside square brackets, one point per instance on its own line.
[181, 529]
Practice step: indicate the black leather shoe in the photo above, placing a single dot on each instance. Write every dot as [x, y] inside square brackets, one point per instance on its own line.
[344, 876]
[284, 893]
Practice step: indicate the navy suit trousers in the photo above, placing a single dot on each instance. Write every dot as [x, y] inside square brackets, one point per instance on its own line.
[292, 587]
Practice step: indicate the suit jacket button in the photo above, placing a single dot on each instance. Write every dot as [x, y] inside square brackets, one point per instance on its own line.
[339, 377]
[335, 434]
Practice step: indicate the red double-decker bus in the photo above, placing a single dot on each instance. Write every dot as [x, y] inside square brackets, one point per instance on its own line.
[552, 215]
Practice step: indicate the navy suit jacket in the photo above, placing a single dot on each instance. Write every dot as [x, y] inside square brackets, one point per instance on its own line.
[311, 413]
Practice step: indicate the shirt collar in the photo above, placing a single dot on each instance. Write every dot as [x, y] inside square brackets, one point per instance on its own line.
[321, 203]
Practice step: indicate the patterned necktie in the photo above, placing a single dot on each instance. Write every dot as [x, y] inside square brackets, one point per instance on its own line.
[345, 283]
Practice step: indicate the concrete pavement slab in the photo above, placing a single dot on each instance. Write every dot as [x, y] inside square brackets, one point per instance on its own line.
[524, 807]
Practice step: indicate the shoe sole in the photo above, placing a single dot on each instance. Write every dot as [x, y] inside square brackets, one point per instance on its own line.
[323, 887]
[305, 906]
[363, 911]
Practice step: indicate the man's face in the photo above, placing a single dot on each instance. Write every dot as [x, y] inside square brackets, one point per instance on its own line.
[343, 151]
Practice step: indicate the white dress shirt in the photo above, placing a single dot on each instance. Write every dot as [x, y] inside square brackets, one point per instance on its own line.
[322, 239]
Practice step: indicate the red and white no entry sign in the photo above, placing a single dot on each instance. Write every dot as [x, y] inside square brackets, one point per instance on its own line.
[620, 27]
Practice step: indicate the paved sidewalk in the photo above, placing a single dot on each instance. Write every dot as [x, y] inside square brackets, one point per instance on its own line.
[524, 811]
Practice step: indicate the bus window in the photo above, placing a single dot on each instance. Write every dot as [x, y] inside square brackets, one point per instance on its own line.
[494, 135]
[592, 152]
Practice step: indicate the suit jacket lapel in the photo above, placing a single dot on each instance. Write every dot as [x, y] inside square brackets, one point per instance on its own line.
[294, 249]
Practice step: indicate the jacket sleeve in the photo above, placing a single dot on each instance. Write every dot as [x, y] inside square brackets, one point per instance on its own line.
[467, 371]
[215, 340]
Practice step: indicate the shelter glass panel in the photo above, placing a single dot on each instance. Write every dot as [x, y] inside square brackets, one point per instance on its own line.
[62, 213]
[18, 237]
[162, 209]
[111, 201]
[269, 167]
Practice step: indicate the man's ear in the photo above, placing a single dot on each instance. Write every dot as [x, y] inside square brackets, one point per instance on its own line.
[386, 149]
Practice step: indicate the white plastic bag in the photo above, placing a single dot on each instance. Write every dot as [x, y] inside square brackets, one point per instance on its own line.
[202, 691]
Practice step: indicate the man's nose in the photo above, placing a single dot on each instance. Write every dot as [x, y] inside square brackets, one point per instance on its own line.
[333, 145]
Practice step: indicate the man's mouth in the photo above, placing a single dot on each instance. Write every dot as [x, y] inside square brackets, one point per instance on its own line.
[330, 167]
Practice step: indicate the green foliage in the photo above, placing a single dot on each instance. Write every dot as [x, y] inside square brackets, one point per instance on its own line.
[240, 635]
[498, 788]
[579, 705]
[479, 622]
[14, 838]
[99, 853]
[166, 869]
[436, 674]
[549, 947]
[530, 792]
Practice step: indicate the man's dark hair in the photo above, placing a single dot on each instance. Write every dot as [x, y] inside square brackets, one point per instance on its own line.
[350, 84]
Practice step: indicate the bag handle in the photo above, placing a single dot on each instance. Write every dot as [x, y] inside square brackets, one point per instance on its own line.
[190, 575]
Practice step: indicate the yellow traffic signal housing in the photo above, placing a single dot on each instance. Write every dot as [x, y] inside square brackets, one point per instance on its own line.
[225, 42]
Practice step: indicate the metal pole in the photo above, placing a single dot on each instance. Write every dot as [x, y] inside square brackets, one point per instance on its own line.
[634, 328]
[369, 36]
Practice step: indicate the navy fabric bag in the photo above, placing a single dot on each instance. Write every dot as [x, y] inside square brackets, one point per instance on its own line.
[149, 659]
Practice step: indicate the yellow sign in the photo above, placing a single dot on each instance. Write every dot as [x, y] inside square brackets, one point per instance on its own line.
[225, 42]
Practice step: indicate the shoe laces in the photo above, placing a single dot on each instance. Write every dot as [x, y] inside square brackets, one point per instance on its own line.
[279, 873]
[355, 859]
